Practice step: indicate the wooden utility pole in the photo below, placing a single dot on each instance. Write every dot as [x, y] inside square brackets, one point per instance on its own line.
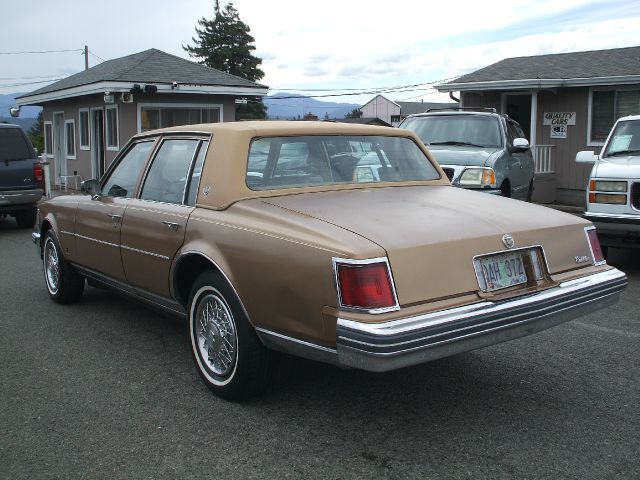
[86, 57]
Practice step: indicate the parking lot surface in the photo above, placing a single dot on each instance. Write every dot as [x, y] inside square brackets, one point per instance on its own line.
[107, 389]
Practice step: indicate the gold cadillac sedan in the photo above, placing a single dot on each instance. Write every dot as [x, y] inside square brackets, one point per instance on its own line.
[339, 243]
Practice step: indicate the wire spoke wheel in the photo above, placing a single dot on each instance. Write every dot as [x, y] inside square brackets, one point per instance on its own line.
[216, 334]
[51, 266]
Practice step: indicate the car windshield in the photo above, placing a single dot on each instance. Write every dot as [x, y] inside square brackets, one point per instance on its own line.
[460, 130]
[625, 139]
[13, 145]
[302, 161]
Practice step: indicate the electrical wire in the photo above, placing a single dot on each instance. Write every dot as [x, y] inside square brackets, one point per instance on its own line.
[43, 51]
[99, 58]
[29, 83]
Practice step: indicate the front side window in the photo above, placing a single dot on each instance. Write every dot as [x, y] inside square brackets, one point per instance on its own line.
[290, 162]
[83, 129]
[625, 139]
[456, 130]
[70, 138]
[123, 179]
[112, 128]
[167, 178]
[607, 106]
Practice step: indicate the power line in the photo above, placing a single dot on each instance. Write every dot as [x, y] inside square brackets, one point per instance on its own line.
[42, 51]
[29, 83]
[99, 58]
[26, 78]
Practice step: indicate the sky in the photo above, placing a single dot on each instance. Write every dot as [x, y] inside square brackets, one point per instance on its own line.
[356, 47]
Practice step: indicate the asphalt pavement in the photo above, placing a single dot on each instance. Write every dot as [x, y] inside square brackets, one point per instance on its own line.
[106, 389]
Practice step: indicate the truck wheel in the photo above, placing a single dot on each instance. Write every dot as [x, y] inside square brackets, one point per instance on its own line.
[26, 218]
[230, 357]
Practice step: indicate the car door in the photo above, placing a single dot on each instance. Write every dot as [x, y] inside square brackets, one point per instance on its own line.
[99, 216]
[154, 224]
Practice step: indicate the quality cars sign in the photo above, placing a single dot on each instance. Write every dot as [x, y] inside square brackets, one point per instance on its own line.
[559, 118]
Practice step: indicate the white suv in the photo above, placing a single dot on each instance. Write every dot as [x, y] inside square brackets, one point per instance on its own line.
[613, 196]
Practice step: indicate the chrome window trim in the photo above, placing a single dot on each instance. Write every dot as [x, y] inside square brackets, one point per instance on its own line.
[586, 234]
[367, 261]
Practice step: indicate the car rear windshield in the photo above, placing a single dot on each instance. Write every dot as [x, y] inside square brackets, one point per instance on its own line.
[625, 139]
[13, 145]
[456, 130]
[302, 161]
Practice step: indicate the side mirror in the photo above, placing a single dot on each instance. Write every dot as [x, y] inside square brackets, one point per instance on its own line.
[14, 111]
[586, 157]
[520, 144]
[90, 187]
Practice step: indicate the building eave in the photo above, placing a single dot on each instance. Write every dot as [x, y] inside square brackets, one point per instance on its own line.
[538, 83]
[118, 87]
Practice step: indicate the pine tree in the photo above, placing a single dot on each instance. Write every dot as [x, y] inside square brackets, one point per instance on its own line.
[225, 43]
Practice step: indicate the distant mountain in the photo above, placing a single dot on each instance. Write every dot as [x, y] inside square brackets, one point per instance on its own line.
[25, 123]
[286, 106]
[9, 100]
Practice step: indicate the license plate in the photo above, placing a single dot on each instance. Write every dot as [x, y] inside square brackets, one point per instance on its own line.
[502, 270]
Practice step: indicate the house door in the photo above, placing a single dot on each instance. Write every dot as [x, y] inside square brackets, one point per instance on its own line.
[97, 143]
[518, 107]
[59, 157]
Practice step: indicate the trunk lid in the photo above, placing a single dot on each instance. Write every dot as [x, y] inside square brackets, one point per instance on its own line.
[432, 233]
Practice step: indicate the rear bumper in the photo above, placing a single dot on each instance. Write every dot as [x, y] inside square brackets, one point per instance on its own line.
[419, 339]
[14, 200]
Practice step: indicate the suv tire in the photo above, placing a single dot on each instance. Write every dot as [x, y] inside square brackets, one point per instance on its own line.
[26, 218]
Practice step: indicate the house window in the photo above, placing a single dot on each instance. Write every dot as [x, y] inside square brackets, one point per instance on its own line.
[83, 129]
[112, 128]
[606, 107]
[70, 138]
[161, 116]
[48, 138]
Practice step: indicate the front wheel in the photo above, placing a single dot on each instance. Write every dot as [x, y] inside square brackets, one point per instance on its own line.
[64, 284]
[229, 356]
[26, 218]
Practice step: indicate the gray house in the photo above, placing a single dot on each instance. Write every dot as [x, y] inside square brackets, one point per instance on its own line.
[89, 116]
[565, 103]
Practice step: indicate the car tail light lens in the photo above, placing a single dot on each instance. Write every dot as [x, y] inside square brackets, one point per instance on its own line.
[365, 285]
[596, 250]
[38, 174]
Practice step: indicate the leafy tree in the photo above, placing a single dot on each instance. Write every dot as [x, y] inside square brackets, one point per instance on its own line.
[355, 113]
[36, 134]
[224, 43]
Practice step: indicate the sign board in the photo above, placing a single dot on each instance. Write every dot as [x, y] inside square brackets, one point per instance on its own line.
[559, 118]
[558, 131]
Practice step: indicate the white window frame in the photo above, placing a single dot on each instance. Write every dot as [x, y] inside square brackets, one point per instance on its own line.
[84, 146]
[614, 88]
[116, 147]
[66, 139]
[178, 105]
[48, 152]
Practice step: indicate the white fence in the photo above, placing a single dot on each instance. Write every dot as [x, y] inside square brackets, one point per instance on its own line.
[543, 158]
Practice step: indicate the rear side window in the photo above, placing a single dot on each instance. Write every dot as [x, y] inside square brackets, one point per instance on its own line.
[167, 178]
[303, 161]
[14, 145]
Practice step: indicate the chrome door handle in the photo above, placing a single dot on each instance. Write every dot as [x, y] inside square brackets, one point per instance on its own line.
[114, 216]
[171, 225]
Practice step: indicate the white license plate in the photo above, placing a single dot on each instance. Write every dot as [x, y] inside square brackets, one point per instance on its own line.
[502, 270]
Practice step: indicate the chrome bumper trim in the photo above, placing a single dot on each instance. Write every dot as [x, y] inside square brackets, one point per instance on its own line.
[621, 218]
[413, 340]
[35, 237]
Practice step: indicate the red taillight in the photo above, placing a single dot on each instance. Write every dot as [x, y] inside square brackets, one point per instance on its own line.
[38, 174]
[366, 286]
[598, 257]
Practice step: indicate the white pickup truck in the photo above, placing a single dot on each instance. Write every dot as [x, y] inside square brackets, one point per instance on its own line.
[613, 196]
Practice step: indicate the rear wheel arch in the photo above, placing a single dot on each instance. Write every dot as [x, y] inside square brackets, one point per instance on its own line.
[188, 268]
